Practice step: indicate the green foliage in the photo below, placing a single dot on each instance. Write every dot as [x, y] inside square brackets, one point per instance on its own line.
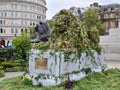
[7, 54]
[108, 80]
[51, 23]
[93, 27]
[22, 45]
[33, 33]
[72, 36]
[12, 66]
[15, 69]
[87, 71]
[91, 19]
[67, 33]
[41, 46]
[2, 74]
[1, 67]
[6, 64]
[94, 39]
[27, 81]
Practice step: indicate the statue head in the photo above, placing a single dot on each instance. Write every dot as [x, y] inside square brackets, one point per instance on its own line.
[43, 30]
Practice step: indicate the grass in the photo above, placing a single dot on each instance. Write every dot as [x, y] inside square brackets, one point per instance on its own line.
[108, 80]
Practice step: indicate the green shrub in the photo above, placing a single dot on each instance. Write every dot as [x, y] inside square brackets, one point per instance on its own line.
[27, 81]
[16, 64]
[2, 74]
[6, 64]
[7, 53]
[17, 61]
[14, 69]
[1, 67]
[22, 46]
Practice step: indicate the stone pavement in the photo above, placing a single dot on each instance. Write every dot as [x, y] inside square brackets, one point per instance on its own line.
[113, 63]
[11, 75]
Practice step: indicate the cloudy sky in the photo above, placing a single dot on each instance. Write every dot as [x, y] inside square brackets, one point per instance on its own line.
[55, 6]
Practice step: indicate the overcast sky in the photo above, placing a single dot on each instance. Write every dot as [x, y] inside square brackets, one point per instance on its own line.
[55, 6]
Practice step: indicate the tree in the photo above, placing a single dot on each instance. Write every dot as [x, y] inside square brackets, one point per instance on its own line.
[91, 19]
[33, 33]
[93, 27]
[51, 23]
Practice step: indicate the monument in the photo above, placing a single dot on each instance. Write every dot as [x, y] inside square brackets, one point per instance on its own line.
[43, 30]
[66, 54]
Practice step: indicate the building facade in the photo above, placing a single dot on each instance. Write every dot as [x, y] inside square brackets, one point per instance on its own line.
[78, 12]
[17, 16]
[110, 16]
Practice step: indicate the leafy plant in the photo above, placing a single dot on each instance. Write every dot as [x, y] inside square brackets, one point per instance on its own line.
[7, 54]
[6, 64]
[2, 74]
[91, 19]
[1, 67]
[51, 23]
[22, 45]
[15, 69]
[72, 37]
[42, 46]
[33, 33]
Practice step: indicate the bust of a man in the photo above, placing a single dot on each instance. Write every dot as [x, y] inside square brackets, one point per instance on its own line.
[43, 30]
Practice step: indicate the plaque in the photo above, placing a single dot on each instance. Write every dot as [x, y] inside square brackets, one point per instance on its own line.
[41, 63]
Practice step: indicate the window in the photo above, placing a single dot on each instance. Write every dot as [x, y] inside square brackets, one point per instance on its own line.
[4, 30]
[12, 15]
[33, 24]
[3, 14]
[12, 22]
[25, 22]
[109, 16]
[14, 6]
[1, 30]
[25, 15]
[16, 30]
[12, 30]
[116, 24]
[2, 22]
[25, 30]
[30, 15]
[15, 14]
[32, 8]
[21, 22]
[3, 6]
[23, 7]
[21, 30]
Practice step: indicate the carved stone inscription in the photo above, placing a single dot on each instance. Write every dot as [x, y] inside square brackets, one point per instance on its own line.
[41, 63]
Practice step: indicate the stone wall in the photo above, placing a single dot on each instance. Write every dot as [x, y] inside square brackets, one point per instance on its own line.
[111, 44]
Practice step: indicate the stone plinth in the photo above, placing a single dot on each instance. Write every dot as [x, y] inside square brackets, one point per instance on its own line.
[52, 67]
